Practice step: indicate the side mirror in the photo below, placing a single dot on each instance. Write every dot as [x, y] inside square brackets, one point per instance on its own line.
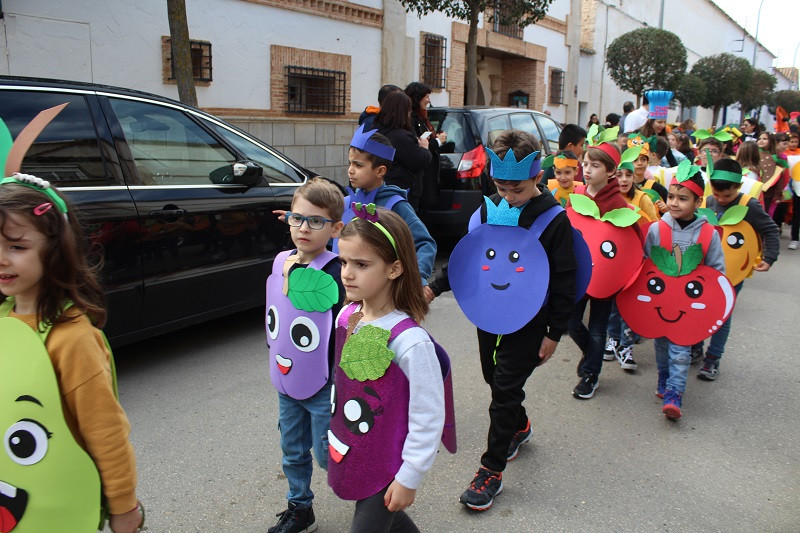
[240, 173]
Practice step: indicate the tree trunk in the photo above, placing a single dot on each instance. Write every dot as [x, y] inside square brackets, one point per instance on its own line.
[181, 51]
[715, 116]
[472, 59]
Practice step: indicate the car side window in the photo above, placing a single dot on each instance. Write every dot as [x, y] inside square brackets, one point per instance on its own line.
[551, 131]
[453, 123]
[167, 146]
[66, 152]
[276, 170]
[524, 122]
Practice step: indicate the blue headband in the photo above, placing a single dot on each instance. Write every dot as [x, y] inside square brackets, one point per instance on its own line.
[362, 141]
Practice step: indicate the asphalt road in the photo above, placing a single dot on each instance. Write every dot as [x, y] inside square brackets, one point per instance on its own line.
[204, 418]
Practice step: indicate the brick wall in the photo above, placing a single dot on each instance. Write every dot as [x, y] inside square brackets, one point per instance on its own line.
[281, 56]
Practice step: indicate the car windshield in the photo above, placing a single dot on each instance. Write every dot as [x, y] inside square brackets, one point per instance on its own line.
[454, 124]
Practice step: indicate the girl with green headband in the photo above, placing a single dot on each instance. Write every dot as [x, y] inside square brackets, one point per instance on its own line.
[68, 435]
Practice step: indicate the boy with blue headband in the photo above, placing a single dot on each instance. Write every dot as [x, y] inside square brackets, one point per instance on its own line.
[509, 357]
[370, 158]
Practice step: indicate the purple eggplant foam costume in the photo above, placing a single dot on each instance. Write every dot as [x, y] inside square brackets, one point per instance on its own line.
[369, 409]
[299, 322]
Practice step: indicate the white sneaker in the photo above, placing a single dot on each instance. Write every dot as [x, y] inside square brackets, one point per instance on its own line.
[625, 358]
[611, 349]
[793, 245]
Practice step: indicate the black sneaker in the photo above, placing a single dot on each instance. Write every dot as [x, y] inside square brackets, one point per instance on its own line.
[480, 494]
[520, 437]
[697, 353]
[295, 519]
[710, 369]
[586, 387]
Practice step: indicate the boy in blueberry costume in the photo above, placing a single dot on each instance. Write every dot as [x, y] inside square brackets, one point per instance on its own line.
[508, 359]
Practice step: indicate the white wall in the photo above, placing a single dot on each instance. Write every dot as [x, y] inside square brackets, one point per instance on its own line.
[125, 45]
[703, 29]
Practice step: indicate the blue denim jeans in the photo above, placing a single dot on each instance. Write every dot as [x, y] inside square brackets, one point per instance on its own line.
[591, 340]
[618, 329]
[304, 425]
[716, 346]
[674, 359]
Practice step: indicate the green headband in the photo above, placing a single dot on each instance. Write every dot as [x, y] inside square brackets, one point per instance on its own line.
[722, 175]
[369, 212]
[40, 185]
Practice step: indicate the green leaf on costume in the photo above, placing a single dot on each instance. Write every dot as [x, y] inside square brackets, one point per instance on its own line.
[312, 290]
[548, 161]
[654, 196]
[664, 261]
[609, 135]
[701, 134]
[584, 205]
[692, 257]
[723, 136]
[733, 215]
[564, 203]
[365, 355]
[621, 217]
[780, 161]
[630, 154]
[591, 134]
[709, 214]
[5, 146]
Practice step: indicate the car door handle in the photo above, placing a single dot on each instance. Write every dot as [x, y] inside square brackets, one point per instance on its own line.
[168, 213]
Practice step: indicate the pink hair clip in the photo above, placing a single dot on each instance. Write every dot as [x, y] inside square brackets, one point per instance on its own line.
[40, 210]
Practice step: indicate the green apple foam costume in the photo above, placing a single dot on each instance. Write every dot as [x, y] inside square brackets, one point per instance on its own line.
[47, 481]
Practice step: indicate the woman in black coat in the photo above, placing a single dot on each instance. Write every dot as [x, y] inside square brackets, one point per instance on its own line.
[420, 98]
[411, 154]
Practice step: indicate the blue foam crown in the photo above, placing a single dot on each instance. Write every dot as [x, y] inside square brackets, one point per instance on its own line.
[502, 214]
[361, 140]
[509, 169]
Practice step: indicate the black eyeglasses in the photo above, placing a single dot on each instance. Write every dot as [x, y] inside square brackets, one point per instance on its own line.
[314, 222]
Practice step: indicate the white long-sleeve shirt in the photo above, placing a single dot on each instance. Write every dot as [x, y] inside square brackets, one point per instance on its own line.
[415, 354]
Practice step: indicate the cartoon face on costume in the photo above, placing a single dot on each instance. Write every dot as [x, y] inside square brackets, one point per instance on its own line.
[488, 269]
[616, 251]
[369, 424]
[686, 308]
[742, 249]
[46, 479]
[297, 339]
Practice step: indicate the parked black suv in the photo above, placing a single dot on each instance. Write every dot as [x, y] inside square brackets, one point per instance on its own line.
[185, 236]
[462, 177]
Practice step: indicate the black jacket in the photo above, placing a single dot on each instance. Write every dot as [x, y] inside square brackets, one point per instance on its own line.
[557, 243]
[410, 159]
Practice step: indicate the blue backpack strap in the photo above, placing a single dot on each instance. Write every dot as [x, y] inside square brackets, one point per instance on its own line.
[449, 430]
[475, 220]
[391, 201]
[544, 220]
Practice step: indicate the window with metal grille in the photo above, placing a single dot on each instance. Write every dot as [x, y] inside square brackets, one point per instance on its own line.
[315, 91]
[511, 30]
[556, 86]
[201, 60]
[434, 60]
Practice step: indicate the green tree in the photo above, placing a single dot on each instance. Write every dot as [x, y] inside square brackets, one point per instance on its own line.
[511, 12]
[758, 91]
[726, 77]
[181, 51]
[647, 58]
[789, 100]
[691, 91]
